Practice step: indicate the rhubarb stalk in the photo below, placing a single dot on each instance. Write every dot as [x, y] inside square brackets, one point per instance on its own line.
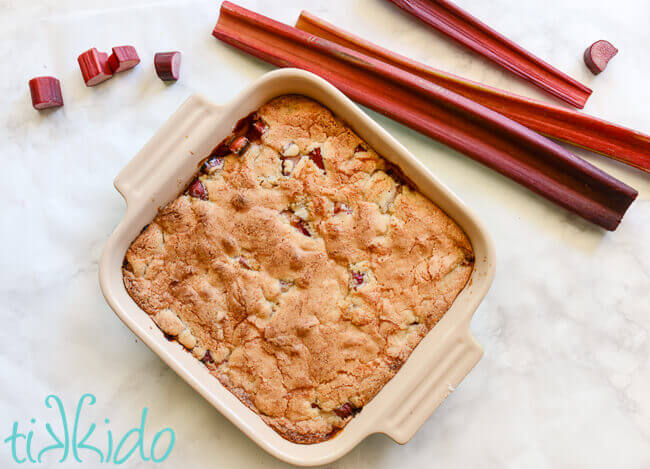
[585, 131]
[479, 37]
[486, 136]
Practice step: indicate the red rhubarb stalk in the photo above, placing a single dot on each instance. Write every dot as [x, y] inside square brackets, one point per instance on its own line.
[585, 131]
[479, 37]
[480, 133]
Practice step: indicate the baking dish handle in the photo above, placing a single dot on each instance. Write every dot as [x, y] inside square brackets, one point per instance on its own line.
[170, 139]
[424, 396]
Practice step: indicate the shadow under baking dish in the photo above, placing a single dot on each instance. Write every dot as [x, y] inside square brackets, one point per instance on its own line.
[160, 171]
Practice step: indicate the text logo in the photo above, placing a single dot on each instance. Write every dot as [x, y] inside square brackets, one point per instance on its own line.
[70, 442]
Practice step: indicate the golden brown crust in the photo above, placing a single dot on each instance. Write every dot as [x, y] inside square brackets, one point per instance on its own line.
[308, 275]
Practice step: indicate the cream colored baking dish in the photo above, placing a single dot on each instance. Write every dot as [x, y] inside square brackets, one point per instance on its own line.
[164, 167]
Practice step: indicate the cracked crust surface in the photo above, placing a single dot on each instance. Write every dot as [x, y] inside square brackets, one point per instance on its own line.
[303, 273]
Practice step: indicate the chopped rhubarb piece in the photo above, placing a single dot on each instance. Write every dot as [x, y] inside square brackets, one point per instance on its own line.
[244, 263]
[123, 58]
[301, 225]
[290, 149]
[288, 164]
[207, 358]
[197, 189]
[341, 207]
[238, 145]
[256, 129]
[212, 164]
[346, 410]
[46, 92]
[168, 65]
[360, 148]
[357, 277]
[317, 158]
[598, 55]
[297, 222]
[94, 67]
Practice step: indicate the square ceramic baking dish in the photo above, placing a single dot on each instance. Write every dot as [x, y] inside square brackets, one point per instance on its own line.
[165, 165]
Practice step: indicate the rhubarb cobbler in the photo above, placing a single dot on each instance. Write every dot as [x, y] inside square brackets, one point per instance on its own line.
[300, 267]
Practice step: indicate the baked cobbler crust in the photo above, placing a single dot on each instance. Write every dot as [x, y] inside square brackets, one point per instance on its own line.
[302, 269]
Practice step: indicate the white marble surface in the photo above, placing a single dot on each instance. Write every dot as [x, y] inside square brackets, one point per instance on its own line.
[565, 381]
